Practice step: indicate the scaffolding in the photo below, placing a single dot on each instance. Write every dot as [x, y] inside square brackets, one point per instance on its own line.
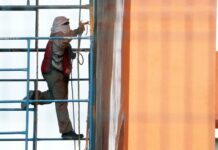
[90, 135]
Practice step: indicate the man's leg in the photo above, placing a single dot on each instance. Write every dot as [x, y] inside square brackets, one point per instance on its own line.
[60, 91]
[46, 95]
[58, 88]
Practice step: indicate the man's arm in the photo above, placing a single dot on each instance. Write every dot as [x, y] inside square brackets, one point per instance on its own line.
[80, 29]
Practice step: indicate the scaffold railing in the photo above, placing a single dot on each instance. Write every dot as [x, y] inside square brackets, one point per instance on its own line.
[34, 7]
[28, 101]
[90, 139]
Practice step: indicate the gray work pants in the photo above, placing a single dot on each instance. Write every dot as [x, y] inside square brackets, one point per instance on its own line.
[58, 89]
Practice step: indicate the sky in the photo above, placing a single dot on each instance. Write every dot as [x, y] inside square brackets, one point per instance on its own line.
[22, 24]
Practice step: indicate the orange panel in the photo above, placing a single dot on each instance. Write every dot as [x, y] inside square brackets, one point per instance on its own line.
[216, 90]
[172, 82]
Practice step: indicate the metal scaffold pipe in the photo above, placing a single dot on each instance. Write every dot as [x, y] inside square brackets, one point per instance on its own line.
[39, 139]
[46, 38]
[28, 96]
[28, 7]
[37, 101]
[40, 80]
[33, 8]
[39, 50]
[78, 75]
[93, 19]
[35, 114]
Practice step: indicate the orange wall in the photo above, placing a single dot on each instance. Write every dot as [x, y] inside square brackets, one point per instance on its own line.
[216, 90]
[171, 75]
[122, 140]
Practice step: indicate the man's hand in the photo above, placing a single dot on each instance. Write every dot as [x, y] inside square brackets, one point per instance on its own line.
[83, 23]
[81, 26]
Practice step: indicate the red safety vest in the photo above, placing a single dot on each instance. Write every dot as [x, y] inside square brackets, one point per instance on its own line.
[46, 63]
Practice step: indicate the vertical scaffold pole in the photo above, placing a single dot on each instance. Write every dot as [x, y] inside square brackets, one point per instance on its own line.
[91, 90]
[28, 96]
[78, 74]
[35, 120]
[91, 78]
[28, 2]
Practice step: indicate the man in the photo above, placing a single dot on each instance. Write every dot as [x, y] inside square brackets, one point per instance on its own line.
[56, 68]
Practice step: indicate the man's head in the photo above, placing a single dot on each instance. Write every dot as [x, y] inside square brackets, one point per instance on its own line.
[61, 27]
[60, 24]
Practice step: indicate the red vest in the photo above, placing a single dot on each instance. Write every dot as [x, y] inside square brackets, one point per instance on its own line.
[46, 63]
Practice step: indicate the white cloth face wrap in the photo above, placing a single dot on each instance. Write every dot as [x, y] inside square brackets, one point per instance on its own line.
[58, 25]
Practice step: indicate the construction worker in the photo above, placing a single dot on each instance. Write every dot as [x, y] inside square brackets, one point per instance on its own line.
[56, 68]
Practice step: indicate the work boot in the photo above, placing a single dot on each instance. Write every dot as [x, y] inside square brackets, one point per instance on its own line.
[31, 95]
[72, 135]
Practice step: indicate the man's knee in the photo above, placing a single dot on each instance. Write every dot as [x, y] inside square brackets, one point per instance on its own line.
[61, 106]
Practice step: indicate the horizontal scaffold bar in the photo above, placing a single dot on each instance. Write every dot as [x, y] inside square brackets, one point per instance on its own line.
[45, 38]
[40, 80]
[40, 50]
[36, 101]
[33, 8]
[13, 132]
[13, 69]
[40, 139]
[15, 109]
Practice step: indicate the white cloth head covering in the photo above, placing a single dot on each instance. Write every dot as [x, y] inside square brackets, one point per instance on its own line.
[58, 25]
